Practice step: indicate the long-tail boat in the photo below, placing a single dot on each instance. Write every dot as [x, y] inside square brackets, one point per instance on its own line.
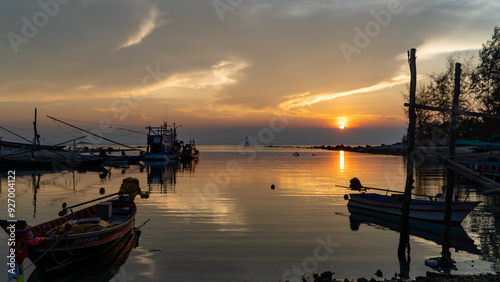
[77, 236]
[431, 209]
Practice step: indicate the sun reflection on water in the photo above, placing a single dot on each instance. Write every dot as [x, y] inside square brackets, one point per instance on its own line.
[341, 160]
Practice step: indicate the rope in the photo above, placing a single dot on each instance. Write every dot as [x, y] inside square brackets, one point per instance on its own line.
[33, 263]
[144, 223]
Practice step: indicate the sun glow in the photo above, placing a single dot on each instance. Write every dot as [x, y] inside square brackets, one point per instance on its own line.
[341, 122]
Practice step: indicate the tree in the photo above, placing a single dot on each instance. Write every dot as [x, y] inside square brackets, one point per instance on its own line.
[438, 92]
[487, 77]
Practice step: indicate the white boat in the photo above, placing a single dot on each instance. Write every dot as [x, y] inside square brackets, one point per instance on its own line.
[419, 209]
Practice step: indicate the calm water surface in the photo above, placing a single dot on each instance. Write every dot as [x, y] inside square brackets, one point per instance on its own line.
[218, 219]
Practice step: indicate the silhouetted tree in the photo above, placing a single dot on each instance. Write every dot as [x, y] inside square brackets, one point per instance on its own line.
[487, 76]
[438, 92]
[486, 82]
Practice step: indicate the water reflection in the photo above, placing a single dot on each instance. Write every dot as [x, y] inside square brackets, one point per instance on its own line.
[431, 231]
[201, 216]
[36, 185]
[341, 160]
[161, 176]
[485, 221]
[101, 267]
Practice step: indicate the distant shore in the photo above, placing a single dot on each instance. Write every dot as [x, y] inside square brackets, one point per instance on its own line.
[394, 149]
[398, 149]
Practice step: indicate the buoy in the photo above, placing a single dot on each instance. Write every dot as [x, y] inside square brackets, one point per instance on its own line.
[346, 197]
[272, 186]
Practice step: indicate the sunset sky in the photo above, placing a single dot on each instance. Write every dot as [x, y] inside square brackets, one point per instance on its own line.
[226, 69]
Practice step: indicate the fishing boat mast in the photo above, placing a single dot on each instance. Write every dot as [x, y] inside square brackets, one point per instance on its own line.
[36, 137]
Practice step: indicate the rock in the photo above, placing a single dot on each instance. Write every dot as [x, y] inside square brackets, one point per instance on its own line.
[327, 275]
[379, 273]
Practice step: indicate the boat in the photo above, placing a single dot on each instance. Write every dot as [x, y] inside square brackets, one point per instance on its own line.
[431, 210]
[34, 155]
[487, 168]
[31, 146]
[101, 268]
[78, 236]
[162, 143]
[62, 160]
[189, 151]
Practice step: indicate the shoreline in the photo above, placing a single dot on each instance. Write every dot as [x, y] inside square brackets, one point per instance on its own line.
[429, 277]
[398, 149]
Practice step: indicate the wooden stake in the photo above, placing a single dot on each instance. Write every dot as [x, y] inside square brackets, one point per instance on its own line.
[404, 236]
[450, 173]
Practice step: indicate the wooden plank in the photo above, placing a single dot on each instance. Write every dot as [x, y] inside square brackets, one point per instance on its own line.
[460, 112]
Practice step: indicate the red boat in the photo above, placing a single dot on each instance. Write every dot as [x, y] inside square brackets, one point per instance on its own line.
[74, 237]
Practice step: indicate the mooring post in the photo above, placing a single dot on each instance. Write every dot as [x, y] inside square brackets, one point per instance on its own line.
[450, 183]
[404, 236]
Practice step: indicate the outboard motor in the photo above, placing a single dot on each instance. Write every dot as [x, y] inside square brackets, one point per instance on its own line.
[355, 184]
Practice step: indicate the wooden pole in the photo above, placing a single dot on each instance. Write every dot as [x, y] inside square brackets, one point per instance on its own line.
[36, 138]
[404, 236]
[450, 173]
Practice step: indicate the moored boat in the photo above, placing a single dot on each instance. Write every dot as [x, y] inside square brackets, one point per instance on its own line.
[60, 161]
[162, 143]
[78, 236]
[100, 268]
[486, 168]
[189, 151]
[419, 209]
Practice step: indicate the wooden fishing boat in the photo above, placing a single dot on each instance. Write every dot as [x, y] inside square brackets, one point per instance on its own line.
[491, 169]
[431, 210]
[75, 237]
[189, 151]
[100, 268]
[31, 146]
[80, 162]
[162, 143]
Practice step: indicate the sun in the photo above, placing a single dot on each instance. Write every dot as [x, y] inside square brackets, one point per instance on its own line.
[342, 126]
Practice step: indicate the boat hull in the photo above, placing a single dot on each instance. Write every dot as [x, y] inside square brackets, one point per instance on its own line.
[419, 209]
[58, 250]
[16, 163]
[56, 254]
[97, 268]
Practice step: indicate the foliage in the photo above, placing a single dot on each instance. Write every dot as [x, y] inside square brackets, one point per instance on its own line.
[487, 76]
[479, 92]
[438, 92]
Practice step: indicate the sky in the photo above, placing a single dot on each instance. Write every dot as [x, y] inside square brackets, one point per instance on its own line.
[279, 72]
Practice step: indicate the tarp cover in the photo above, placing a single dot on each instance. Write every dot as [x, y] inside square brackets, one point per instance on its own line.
[130, 185]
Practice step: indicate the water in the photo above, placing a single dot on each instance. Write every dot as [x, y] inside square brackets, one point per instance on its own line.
[219, 220]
